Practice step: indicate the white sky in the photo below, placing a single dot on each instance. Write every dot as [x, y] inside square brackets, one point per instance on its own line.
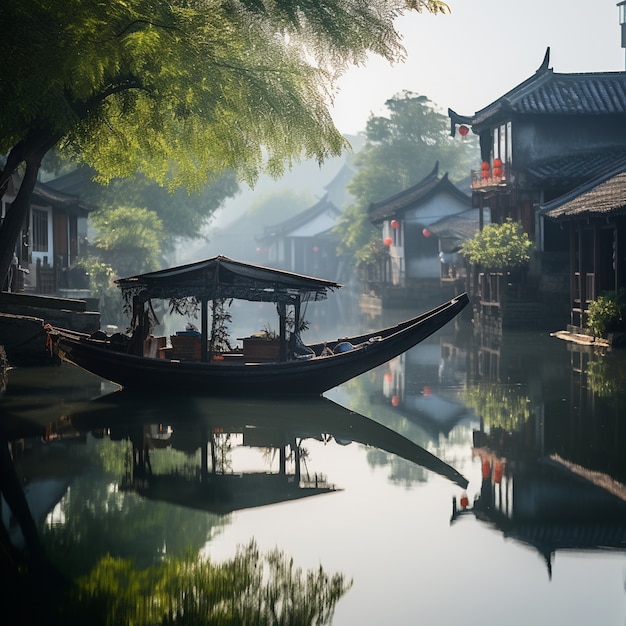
[467, 59]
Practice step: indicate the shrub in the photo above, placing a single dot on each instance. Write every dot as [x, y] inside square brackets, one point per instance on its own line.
[499, 247]
[606, 312]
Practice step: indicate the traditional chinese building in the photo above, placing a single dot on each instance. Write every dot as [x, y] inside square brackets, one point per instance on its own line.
[413, 270]
[545, 137]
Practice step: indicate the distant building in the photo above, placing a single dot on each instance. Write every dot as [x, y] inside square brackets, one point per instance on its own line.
[413, 270]
[305, 243]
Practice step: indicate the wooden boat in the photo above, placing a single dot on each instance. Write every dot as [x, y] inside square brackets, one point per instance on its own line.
[295, 370]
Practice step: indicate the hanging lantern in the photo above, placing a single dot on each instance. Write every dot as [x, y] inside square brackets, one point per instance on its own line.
[463, 130]
[395, 224]
[497, 168]
[464, 501]
[387, 241]
[395, 400]
[426, 391]
[387, 377]
[484, 165]
[426, 232]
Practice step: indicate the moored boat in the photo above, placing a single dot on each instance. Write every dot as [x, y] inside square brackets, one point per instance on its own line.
[295, 369]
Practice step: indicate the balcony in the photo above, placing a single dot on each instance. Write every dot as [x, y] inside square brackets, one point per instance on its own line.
[491, 176]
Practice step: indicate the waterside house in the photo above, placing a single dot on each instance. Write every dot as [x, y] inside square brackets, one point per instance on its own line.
[594, 219]
[43, 286]
[549, 135]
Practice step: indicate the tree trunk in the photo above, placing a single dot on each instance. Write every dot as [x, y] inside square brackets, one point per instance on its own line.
[29, 151]
[11, 228]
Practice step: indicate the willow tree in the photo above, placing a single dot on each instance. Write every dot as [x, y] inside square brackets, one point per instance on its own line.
[179, 91]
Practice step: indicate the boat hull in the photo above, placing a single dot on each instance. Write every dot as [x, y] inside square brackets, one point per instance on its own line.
[290, 378]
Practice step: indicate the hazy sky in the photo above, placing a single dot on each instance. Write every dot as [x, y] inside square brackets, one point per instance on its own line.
[467, 59]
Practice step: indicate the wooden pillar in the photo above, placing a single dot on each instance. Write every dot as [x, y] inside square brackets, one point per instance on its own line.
[620, 253]
[597, 266]
[282, 326]
[296, 450]
[204, 330]
[204, 454]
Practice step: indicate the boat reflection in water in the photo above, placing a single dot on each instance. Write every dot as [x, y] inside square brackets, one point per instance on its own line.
[209, 425]
[194, 423]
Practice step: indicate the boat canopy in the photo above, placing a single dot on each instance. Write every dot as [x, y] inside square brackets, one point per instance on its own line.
[223, 278]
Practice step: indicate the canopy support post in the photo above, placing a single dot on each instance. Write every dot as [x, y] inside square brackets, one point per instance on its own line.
[282, 325]
[204, 332]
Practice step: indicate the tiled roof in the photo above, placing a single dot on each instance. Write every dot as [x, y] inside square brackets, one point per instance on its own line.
[459, 226]
[301, 218]
[603, 196]
[408, 198]
[550, 93]
[574, 170]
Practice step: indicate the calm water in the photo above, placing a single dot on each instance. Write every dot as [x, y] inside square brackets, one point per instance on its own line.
[535, 424]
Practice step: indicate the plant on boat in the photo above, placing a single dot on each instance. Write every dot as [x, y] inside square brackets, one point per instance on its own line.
[220, 318]
[607, 313]
[266, 334]
[499, 247]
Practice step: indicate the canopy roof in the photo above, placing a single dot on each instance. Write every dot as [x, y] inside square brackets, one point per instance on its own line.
[221, 277]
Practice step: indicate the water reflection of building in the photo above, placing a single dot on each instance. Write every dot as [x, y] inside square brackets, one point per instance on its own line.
[550, 444]
[421, 385]
[545, 502]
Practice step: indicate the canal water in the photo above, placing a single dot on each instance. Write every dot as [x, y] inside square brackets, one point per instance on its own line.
[536, 425]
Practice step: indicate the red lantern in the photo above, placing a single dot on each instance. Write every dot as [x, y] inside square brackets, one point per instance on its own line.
[395, 224]
[426, 391]
[426, 232]
[395, 400]
[497, 172]
[316, 249]
[497, 162]
[464, 501]
[463, 130]
[388, 377]
[387, 241]
[484, 165]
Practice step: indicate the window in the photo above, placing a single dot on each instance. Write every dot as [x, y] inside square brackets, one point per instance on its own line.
[40, 231]
[501, 148]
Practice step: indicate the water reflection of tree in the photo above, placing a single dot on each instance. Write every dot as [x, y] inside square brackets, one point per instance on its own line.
[122, 559]
[606, 377]
[250, 588]
[499, 405]
[400, 471]
[95, 517]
